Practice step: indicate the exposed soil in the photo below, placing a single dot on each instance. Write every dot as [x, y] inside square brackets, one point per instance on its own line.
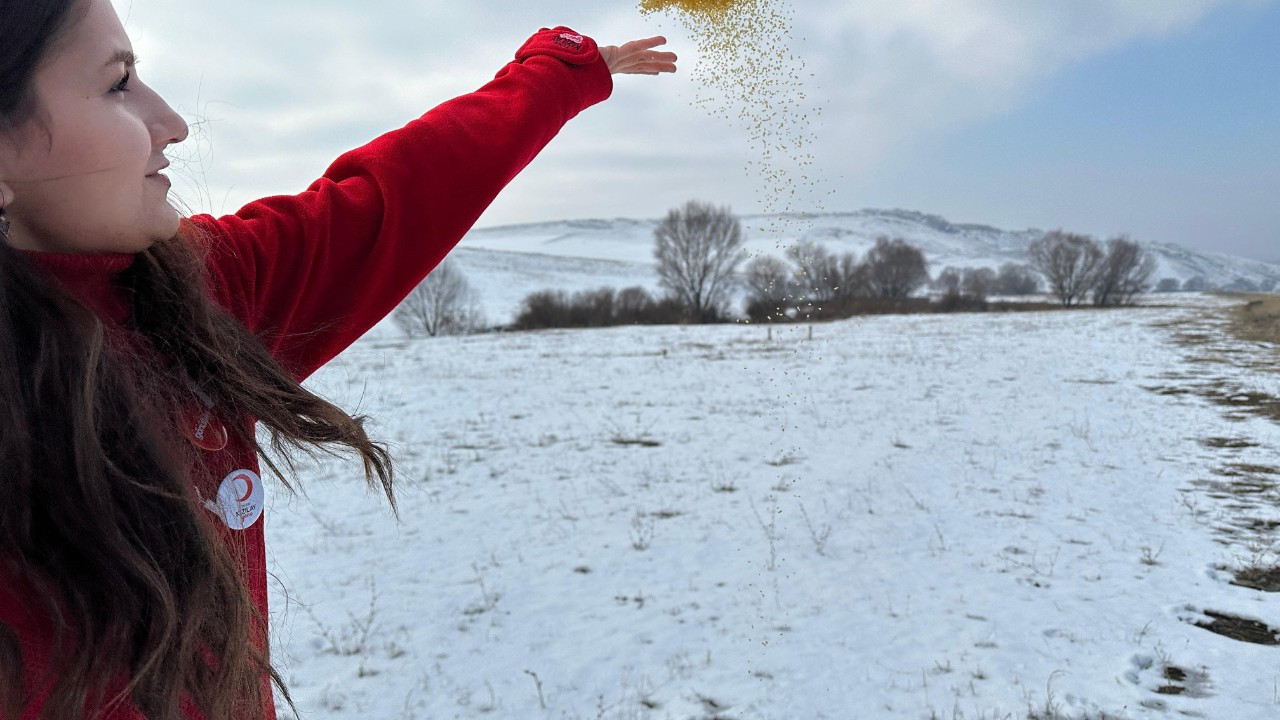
[637, 441]
[1231, 443]
[1192, 683]
[1242, 629]
[1258, 578]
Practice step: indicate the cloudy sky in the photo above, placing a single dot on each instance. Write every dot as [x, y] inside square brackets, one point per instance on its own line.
[1156, 119]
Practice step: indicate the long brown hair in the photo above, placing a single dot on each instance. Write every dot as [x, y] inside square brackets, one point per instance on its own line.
[92, 460]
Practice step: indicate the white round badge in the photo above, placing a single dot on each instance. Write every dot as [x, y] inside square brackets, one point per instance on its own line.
[239, 500]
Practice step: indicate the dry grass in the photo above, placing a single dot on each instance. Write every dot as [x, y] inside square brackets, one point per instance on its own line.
[1247, 490]
[1258, 318]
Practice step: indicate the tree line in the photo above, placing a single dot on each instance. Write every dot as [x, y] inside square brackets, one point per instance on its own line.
[701, 265]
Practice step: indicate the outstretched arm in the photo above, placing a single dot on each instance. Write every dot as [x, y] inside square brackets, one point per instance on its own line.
[311, 273]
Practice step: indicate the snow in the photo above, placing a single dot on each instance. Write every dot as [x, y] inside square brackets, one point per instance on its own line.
[951, 516]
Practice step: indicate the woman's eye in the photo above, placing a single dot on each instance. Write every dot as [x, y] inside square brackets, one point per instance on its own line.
[123, 85]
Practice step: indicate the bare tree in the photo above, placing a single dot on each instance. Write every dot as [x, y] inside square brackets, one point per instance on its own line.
[823, 276]
[977, 282]
[816, 271]
[768, 279]
[770, 288]
[969, 283]
[948, 281]
[442, 304]
[698, 249]
[1016, 279]
[851, 276]
[1124, 273]
[895, 269]
[1068, 262]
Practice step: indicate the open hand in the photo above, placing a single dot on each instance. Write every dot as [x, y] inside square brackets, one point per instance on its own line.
[638, 58]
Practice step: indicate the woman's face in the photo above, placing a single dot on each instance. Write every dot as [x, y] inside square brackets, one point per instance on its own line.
[94, 188]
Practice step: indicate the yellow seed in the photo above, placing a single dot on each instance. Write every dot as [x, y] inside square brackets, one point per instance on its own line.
[749, 59]
[696, 6]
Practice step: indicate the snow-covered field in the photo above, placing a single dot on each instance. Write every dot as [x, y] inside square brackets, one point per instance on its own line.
[950, 516]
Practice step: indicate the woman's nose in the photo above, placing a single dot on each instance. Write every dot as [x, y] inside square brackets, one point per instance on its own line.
[169, 127]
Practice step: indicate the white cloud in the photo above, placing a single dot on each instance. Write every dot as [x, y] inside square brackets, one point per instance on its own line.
[289, 85]
[910, 66]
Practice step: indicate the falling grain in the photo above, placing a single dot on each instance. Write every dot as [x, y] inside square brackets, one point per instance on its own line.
[750, 70]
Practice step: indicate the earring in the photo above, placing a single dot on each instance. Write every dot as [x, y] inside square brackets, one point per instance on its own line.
[4, 225]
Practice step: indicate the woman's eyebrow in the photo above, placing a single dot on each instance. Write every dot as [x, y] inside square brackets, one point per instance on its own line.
[123, 56]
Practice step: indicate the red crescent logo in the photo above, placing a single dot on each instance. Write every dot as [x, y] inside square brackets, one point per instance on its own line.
[248, 486]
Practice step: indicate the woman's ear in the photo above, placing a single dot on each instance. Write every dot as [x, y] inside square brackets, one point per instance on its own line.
[6, 195]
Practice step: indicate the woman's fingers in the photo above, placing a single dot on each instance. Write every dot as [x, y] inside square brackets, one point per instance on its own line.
[637, 57]
[647, 43]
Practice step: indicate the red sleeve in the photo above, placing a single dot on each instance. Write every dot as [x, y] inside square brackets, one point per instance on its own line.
[311, 273]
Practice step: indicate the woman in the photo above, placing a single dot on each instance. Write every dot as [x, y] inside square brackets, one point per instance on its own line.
[138, 349]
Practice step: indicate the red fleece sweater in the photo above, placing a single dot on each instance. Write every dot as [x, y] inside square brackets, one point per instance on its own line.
[311, 273]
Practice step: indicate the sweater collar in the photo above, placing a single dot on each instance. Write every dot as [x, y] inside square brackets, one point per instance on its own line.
[90, 277]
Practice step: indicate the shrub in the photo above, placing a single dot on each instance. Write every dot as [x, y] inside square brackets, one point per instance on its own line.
[976, 283]
[543, 309]
[602, 307]
[960, 302]
[873, 306]
[631, 302]
[1016, 279]
[642, 308]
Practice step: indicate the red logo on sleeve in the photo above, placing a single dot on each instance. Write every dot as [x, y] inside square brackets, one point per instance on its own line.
[569, 40]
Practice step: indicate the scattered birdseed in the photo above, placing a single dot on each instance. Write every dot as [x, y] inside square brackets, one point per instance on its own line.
[749, 64]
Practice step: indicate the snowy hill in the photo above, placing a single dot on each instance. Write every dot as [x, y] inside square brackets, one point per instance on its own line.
[508, 262]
